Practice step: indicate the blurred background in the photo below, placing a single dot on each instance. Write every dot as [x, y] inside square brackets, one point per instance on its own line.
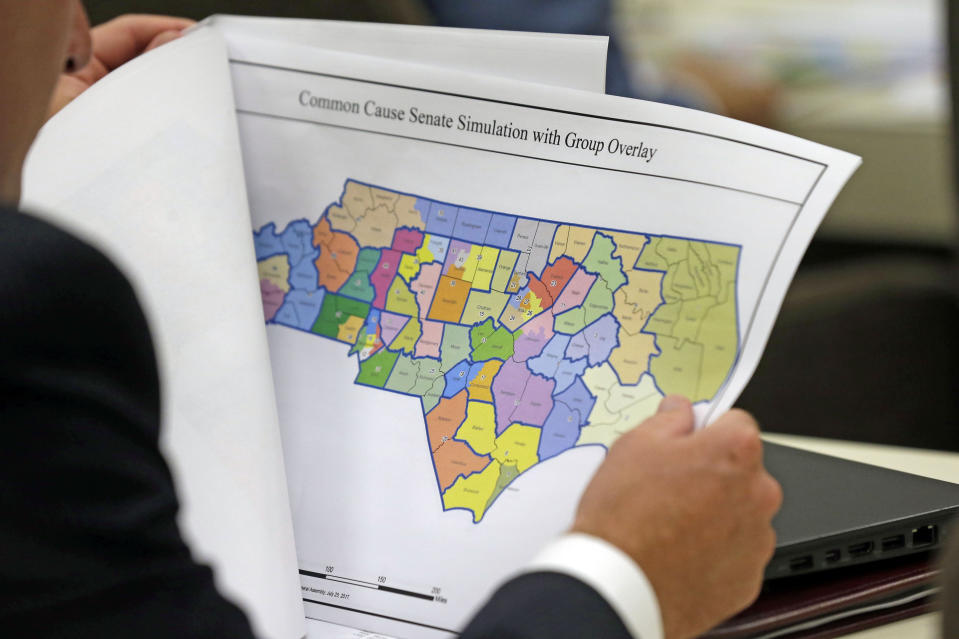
[867, 344]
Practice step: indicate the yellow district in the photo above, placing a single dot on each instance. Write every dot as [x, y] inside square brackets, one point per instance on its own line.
[406, 340]
[409, 267]
[479, 428]
[691, 315]
[400, 299]
[517, 446]
[370, 340]
[480, 387]
[423, 253]
[350, 329]
[472, 261]
[473, 492]
[531, 304]
[485, 266]
[718, 333]
[276, 269]
[504, 268]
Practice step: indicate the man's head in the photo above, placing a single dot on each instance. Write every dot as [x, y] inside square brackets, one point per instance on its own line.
[38, 40]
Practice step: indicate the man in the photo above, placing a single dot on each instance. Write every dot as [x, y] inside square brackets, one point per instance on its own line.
[670, 536]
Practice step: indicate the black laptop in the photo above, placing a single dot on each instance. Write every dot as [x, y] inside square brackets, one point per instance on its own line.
[838, 513]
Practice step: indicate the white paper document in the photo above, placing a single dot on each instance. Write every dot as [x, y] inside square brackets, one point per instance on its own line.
[473, 286]
[146, 165]
[407, 307]
[566, 60]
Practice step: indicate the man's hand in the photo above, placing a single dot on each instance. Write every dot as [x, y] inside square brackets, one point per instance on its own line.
[693, 509]
[113, 44]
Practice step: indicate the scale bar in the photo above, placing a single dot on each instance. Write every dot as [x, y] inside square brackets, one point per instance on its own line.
[368, 584]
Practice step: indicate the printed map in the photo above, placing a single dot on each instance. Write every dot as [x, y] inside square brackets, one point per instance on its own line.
[521, 338]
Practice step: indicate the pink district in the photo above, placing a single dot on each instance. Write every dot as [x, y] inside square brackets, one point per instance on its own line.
[382, 276]
[424, 287]
[272, 298]
[429, 343]
[521, 396]
[533, 337]
[407, 240]
[575, 292]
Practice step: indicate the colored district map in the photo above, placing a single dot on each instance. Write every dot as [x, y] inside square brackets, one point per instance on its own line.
[520, 338]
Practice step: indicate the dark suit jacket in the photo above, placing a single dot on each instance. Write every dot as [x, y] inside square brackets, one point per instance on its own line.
[89, 545]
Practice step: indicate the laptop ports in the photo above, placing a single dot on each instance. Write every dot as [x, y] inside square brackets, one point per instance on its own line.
[834, 555]
[861, 549]
[924, 536]
[893, 543]
[797, 564]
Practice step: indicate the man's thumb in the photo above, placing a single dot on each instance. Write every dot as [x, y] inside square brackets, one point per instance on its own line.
[674, 416]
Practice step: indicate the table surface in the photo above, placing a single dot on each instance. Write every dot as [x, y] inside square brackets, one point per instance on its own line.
[930, 463]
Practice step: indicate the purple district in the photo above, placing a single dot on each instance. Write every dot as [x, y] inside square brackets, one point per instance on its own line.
[297, 240]
[567, 372]
[390, 326]
[560, 431]
[549, 360]
[423, 208]
[442, 219]
[537, 402]
[303, 276]
[596, 341]
[272, 298]
[500, 230]
[578, 398]
[534, 336]
[471, 225]
[569, 414]
[520, 396]
[457, 251]
[300, 308]
[266, 242]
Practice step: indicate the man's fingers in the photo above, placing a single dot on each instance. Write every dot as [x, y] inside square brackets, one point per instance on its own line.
[163, 38]
[90, 74]
[674, 416]
[68, 88]
[735, 435]
[122, 39]
[770, 493]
